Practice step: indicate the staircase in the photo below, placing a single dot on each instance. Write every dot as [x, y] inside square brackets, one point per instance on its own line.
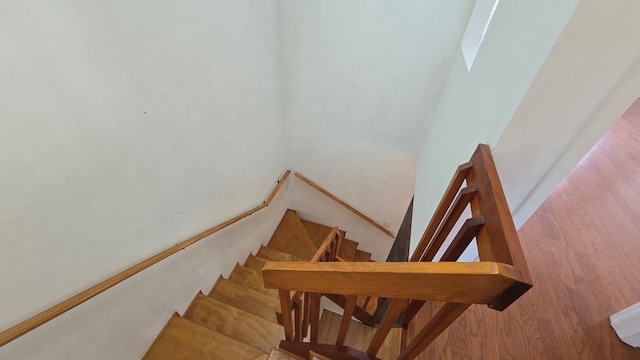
[283, 284]
[274, 298]
[237, 318]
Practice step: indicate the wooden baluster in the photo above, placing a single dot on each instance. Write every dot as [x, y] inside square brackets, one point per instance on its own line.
[411, 311]
[443, 318]
[458, 206]
[287, 321]
[332, 249]
[297, 311]
[314, 315]
[346, 319]
[366, 303]
[338, 244]
[305, 315]
[395, 308]
[459, 244]
[455, 184]
[463, 238]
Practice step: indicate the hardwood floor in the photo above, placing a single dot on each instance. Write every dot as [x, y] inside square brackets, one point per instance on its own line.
[583, 248]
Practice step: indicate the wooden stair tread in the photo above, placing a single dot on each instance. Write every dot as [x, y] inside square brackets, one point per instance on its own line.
[262, 357]
[183, 339]
[251, 279]
[291, 237]
[249, 300]
[359, 336]
[271, 254]
[280, 354]
[234, 323]
[361, 256]
[318, 232]
[255, 263]
[348, 249]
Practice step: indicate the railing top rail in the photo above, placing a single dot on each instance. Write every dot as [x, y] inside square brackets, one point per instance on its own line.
[498, 239]
[325, 244]
[477, 282]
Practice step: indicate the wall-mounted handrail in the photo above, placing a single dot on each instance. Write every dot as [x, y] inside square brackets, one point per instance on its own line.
[346, 205]
[35, 321]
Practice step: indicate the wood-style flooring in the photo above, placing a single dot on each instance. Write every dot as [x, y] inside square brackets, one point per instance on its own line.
[583, 248]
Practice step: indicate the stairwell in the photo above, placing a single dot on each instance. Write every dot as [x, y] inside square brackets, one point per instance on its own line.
[237, 318]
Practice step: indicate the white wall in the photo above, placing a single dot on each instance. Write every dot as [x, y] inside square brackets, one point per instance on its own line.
[590, 78]
[126, 127]
[359, 79]
[376, 180]
[123, 322]
[476, 106]
[368, 69]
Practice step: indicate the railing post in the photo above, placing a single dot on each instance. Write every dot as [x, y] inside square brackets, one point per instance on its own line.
[298, 321]
[346, 319]
[396, 307]
[305, 314]
[287, 321]
[339, 241]
[314, 315]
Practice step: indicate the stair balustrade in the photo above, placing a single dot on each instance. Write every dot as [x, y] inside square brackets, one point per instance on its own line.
[499, 278]
[295, 301]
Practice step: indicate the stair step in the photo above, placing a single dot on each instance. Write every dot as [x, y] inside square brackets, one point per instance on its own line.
[272, 254]
[183, 339]
[249, 300]
[262, 357]
[318, 232]
[348, 249]
[280, 354]
[291, 237]
[362, 256]
[255, 263]
[251, 279]
[359, 336]
[234, 323]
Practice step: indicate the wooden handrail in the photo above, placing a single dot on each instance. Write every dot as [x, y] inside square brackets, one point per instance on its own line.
[458, 178]
[498, 239]
[347, 206]
[35, 321]
[498, 280]
[325, 245]
[477, 282]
